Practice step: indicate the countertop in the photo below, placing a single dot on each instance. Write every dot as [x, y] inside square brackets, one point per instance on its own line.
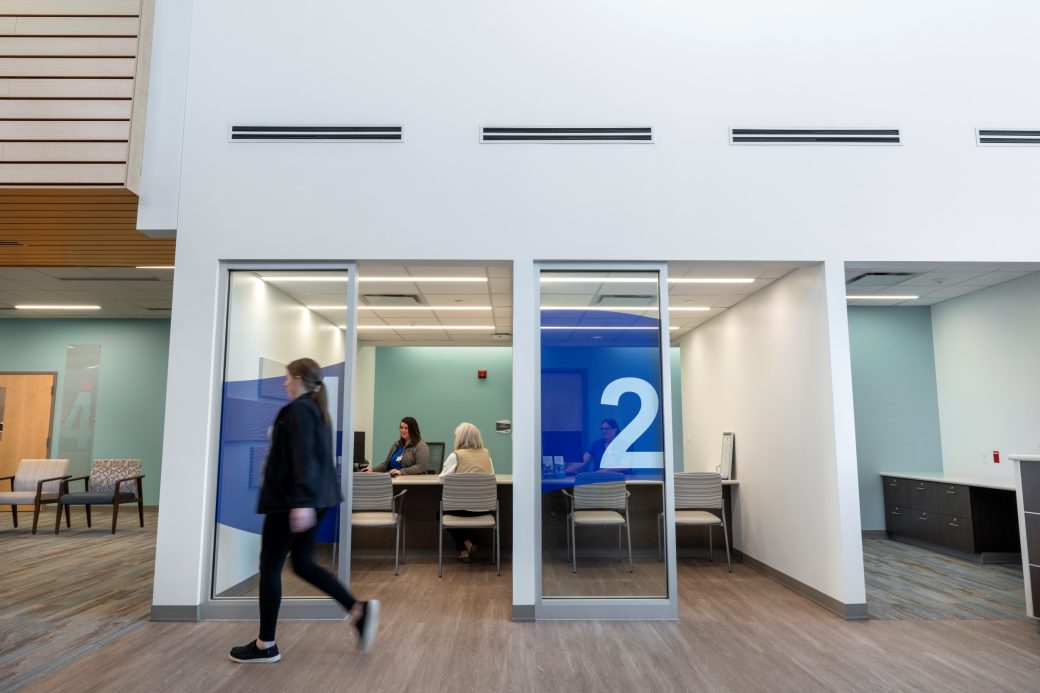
[962, 479]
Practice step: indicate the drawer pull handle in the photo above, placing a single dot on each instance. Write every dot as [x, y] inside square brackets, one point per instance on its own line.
[895, 512]
[920, 488]
[923, 518]
[954, 524]
[952, 493]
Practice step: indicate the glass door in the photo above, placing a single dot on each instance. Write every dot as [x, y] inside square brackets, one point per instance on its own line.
[273, 318]
[602, 435]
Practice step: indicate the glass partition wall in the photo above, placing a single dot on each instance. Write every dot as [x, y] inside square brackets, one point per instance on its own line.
[273, 318]
[603, 435]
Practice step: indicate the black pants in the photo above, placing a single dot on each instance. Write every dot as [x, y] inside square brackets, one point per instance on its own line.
[464, 534]
[277, 542]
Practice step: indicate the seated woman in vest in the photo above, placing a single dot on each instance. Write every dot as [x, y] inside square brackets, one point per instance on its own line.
[409, 454]
[470, 457]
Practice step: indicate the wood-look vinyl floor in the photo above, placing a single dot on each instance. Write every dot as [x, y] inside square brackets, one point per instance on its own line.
[908, 582]
[61, 596]
[737, 632]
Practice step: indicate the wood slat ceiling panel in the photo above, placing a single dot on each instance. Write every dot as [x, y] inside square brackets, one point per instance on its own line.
[70, 8]
[27, 87]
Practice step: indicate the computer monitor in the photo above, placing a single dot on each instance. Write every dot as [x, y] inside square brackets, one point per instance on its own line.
[359, 448]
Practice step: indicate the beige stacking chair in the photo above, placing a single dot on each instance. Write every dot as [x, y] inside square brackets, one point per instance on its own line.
[476, 493]
[375, 505]
[599, 499]
[698, 501]
[35, 483]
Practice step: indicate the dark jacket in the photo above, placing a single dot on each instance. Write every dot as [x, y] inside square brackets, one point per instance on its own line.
[413, 460]
[300, 470]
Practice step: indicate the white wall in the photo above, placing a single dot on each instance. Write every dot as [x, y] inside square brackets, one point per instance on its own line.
[763, 370]
[365, 395]
[691, 70]
[987, 376]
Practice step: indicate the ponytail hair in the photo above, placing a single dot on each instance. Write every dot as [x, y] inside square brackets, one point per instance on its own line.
[309, 372]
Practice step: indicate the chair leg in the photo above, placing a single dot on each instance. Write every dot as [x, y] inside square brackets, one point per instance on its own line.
[628, 530]
[404, 537]
[397, 549]
[68, 516]
[57, 518]
[711, 556]
[498, 549]
[725, 534]
[14, 515]
[619, 543]
[440, 546]
[36, 516]
[140, 511]
[88, 516]
[574, 547]
[115, 516]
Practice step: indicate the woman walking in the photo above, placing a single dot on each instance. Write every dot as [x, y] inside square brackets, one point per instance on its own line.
[299, 486]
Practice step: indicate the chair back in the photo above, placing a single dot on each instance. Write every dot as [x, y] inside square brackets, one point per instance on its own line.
[105, 473]
[599, 490]
[436, 462]
[698, 490]
[30, 472]
[476, 492]
[372, 491]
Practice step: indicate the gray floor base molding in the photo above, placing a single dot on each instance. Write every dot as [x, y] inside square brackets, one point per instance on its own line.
[875, 534]
[174, 612]
[523, 612]
[850, 612]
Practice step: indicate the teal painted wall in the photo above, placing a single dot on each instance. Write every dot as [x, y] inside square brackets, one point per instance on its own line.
[894, 392]
[439, 387]
[128, 420]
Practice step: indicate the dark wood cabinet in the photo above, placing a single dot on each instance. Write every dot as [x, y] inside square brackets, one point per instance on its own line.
[970, 521]
[897, 491]
[954, 499]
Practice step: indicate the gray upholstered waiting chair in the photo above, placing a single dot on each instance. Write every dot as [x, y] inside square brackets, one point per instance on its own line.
[111, 482]
[375, 505]
[599, 499]
[35, 483]
[474, 493]
[698, 501]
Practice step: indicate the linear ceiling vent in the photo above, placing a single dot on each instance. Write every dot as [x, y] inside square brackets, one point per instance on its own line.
[391, 299]
[812, 136]
[109, 279]
[1018, 137]
[880, 278]
[499, 135]
[316, 133]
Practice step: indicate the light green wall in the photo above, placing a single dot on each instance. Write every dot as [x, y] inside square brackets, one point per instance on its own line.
[131, 389]
[439, 387]
[894, 392]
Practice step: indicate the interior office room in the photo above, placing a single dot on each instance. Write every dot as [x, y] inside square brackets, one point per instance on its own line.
[588, 162]
[942, 376]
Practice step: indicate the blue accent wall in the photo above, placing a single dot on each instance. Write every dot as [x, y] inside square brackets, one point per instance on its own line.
[894, 392]
[439, 387]
[131, 389]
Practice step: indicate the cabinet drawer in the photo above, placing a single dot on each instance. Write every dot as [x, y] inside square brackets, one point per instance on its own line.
[897, 519]
[924, 495]
[897, 491]
[955, 499]
[956, 532]
[925, 526]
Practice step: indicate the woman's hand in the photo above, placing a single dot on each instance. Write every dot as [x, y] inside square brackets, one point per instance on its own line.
[301, 519]
[365, 469]
[395, 472]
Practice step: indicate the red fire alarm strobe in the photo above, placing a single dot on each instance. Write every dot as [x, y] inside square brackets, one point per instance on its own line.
[482, 374]
[996, 457]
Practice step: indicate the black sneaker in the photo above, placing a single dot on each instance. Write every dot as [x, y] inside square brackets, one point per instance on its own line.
[367, 624]
[251, 654]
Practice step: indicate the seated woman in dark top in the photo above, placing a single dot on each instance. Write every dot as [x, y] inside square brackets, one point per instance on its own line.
[409, 454]
[592, 458]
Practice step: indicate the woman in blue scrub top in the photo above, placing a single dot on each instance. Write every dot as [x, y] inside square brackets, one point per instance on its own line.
[408, 454]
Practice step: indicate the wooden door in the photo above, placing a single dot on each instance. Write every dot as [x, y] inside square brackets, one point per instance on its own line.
[26, 417]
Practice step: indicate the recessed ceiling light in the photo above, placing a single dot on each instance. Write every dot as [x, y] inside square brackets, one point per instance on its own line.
[55, 307]
[882, 298]
[711, 280]
[602, 327]
[391, 308]
[426, 327]
[421, 279]
[627, 309]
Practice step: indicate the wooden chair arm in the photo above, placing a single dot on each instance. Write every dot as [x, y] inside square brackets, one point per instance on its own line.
[8, 478]
[65, 483]
[41, 482]
[115, 493]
